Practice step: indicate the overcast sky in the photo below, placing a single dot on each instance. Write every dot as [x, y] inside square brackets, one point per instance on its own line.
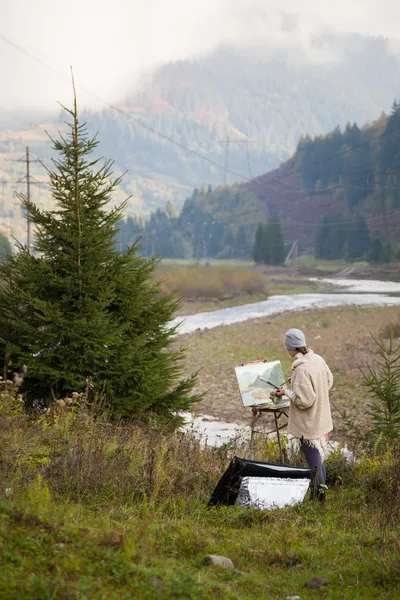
[109, 43]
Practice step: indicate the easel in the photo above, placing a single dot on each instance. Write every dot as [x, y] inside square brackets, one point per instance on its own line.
[261, 411]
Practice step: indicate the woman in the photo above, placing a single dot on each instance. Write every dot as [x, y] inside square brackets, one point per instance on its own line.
[310, 413]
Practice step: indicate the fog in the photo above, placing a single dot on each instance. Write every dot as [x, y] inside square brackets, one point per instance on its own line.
[112, 44]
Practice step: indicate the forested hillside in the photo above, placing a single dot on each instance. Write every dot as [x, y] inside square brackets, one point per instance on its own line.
[262, 96]
[257, 96]
[338, 195]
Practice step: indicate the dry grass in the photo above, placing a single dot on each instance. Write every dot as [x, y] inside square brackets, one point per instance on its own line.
[204, 283]
[83, 456]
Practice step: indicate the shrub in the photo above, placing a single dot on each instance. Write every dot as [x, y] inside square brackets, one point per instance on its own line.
[382, 384]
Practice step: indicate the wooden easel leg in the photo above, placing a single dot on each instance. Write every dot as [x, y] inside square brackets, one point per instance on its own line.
[252, 426]
[279, 436]
[251, 448]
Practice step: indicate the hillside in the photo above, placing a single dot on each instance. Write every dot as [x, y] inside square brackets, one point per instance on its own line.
[261, 95]
[348, 175]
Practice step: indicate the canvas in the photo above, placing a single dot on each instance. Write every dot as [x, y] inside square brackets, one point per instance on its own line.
[257, 380]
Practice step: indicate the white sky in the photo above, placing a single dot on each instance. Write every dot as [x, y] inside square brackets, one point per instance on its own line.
[109, 43]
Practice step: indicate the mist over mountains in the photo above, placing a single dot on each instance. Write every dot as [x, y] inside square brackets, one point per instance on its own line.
[267, 95]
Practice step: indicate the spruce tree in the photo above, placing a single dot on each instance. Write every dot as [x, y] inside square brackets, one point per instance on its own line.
[80, 314]
[359, 238]
[258, 245]
[321, 237]
[277, 243]
[274, 243]
[266, 246]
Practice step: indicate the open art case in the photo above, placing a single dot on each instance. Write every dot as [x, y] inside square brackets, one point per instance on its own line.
[255, 484]
[257, 380]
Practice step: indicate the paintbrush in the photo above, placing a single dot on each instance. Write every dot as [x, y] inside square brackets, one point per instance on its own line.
[272, 384]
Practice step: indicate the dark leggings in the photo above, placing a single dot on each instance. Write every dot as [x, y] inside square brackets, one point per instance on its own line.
[314, 460]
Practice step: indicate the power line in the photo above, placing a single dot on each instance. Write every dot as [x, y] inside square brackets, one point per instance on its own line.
[168, 138]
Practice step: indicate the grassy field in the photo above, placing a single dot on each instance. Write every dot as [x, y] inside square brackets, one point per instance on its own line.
[341, 336]
[97, 510]
[77, 553]
[105, 511]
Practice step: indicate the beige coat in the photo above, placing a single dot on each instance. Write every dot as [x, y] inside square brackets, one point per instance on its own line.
[310, 411]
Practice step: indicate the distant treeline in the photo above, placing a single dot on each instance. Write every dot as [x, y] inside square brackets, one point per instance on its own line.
[197, 232]
[361, 166]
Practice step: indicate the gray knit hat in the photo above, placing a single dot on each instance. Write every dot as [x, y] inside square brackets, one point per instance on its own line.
[294, 338]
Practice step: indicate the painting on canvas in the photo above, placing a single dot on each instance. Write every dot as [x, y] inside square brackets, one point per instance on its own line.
[257, 380]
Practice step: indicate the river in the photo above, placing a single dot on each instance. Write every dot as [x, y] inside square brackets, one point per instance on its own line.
[356, 293]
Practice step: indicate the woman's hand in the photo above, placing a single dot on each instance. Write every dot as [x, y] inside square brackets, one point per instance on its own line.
[280, 392]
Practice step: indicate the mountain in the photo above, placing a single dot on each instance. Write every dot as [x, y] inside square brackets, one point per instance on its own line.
[261, 98]
[342, 185]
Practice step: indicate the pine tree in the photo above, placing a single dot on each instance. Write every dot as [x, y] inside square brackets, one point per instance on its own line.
[375, 251]
[383, 384]
[359, 241]
[274, 246]
[277, 243]
[321, 237]
[80, 314]
[266, 246]
[258, 245]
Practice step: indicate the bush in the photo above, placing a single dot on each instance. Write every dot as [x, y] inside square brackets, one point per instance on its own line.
[383, 385]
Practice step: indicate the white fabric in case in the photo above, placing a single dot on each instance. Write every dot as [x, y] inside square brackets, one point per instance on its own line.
[272, 492]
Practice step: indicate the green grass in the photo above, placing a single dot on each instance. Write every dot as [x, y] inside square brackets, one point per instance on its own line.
[114, 511]
[74, 552]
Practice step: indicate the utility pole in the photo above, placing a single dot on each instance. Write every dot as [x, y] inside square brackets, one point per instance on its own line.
[28, 196]
[228, 142]
[29, 179]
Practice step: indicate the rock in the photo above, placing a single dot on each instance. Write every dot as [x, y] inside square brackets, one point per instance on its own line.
[317, 582]
[219, 561]
[292, 597]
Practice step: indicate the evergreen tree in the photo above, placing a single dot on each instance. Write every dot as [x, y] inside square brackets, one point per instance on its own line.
[5, 246]
[375, 252]
[81, 315]
[321, 237]
[266, 247]
[274, 235]
[258, 245]
[387, 253]
[383, 385]
[359, 241]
